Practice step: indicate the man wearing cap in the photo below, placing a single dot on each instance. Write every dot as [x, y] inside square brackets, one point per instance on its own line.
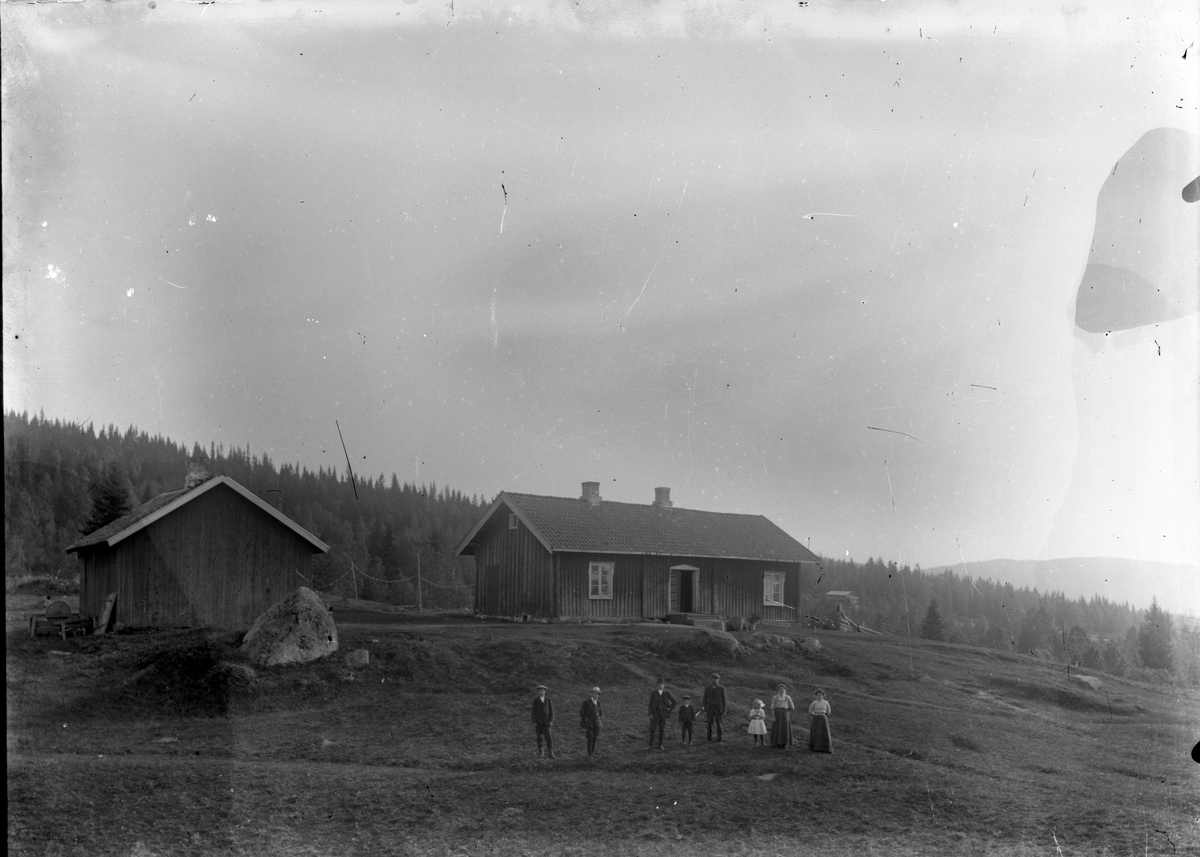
[543, 719]
[714, 706]
[589, 719]
[662, 703]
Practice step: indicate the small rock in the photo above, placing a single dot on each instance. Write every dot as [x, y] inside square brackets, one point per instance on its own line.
[1088, 681]
[811, 645]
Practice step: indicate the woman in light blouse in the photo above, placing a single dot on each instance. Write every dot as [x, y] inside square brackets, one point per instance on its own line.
[781, 709]
[819, 740]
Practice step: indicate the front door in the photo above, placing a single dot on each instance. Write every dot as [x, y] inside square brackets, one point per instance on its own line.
[684, 589]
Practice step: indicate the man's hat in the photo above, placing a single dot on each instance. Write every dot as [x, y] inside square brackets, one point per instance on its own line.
[687, 696]
[541, 687]
[715, 675]
[595, 690]
[662, 681]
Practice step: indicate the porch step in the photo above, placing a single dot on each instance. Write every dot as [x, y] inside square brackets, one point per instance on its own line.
[700, 620]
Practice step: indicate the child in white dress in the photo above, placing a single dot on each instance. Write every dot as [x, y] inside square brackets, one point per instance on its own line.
[758, 723]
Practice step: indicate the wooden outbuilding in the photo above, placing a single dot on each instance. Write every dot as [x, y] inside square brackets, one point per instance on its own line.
[211, 554]
[586, 558]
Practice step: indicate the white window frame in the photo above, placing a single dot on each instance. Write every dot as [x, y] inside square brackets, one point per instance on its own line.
[774, 581]
[512, 521]
[600, 577]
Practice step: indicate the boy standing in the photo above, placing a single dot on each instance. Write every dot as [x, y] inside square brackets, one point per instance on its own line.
[687, 716]
[662, 703]
[543, 719]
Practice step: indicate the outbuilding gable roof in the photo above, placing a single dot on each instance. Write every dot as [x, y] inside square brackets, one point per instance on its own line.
[164, 504]
[564, 524]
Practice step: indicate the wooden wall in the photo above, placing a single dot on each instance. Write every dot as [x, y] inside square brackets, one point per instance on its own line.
[738, 589]
[217, 561]
[572, 584]
[727, 588]
[512, 571]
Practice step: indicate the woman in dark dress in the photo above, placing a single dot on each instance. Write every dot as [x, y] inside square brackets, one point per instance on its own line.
[819, 740]
[781, 727]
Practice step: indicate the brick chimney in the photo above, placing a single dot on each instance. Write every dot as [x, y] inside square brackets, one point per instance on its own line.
[197, 473]
[662, 498]
[591, 493]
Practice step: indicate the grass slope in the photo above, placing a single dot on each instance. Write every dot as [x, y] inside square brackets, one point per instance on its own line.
[164, 743]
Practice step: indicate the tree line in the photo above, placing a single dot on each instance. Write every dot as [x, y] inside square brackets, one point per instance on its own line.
[389, 541]
[1095, 633]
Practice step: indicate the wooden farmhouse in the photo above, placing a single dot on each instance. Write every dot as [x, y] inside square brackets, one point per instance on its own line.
[586, 558]
[211, 554]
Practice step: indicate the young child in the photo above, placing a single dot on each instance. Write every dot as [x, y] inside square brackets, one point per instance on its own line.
[687, 716]
[758, 723]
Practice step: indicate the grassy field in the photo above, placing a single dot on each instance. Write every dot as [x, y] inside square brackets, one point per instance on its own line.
[146, 744]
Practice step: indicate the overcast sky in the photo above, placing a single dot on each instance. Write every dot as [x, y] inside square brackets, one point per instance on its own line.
[818, 262]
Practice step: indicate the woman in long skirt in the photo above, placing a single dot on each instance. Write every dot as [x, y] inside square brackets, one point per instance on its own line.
[781, 709]
[819, 740]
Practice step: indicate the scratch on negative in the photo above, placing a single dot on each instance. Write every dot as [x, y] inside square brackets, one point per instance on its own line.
[643, 291]
[893, 431]
[169, 283]
[984, 386]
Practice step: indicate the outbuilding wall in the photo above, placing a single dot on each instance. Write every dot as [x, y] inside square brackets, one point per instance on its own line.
[216, 561]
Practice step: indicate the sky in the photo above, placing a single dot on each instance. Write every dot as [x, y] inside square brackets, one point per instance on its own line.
[864, 268]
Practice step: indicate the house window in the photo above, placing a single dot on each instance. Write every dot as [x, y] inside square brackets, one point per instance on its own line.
[512, 522]
[773, 588]
[600, 576]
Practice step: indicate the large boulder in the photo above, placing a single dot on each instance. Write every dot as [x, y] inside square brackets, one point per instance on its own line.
[296, 630]
[1089, 681]
[811, 645]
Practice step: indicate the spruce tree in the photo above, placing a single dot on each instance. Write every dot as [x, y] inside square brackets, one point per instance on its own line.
[932, 627]
[110, 499]
[1154, 639]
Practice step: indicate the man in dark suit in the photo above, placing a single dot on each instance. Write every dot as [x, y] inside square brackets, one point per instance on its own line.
[662, 703]
[543, 719]
[714, 706]
[590, 714]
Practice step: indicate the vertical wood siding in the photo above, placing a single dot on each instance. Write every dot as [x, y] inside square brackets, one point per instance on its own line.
[512, 571]
[571, 578]
[217, 561]
[739, 589]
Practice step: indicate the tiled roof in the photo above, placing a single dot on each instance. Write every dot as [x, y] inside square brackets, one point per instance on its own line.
[164, 504]
[573, 525]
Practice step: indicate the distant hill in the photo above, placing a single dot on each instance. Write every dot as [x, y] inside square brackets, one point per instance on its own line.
[1175, 585]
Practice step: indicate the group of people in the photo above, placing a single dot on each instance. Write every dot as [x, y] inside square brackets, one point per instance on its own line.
[714, 707]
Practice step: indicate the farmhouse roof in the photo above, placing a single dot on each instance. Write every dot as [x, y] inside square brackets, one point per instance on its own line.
[569, 525]
[164, 504]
